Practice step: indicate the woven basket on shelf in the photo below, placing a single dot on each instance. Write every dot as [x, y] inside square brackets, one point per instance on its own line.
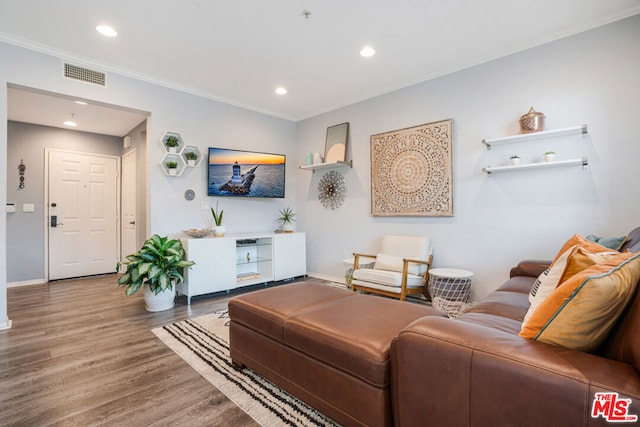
[533, 121]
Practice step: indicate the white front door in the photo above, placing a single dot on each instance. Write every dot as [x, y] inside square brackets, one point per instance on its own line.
[129, 244]
[83, 214]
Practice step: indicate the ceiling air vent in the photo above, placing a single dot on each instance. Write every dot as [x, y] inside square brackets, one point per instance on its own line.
[84, 75]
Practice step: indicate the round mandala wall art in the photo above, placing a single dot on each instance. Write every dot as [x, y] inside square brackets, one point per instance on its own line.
[332, 190]
[412, 171]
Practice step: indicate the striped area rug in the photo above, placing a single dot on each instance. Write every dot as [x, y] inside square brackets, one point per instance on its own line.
[203, 342]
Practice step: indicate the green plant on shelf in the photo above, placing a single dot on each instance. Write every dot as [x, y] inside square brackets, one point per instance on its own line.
[172, 165]
[172, 141]
[217, 215]
[287, 216]
[191, 155]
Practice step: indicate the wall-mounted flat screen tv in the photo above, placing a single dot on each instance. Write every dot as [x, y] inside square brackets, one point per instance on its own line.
[239, 173]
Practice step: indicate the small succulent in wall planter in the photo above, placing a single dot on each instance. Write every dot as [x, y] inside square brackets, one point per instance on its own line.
[515, 160]
[549, 155]
[191, 157]
[172, 166]
[172, 143]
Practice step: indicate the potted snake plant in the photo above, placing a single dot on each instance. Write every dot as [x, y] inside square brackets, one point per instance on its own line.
[217, 219]
[156, 267]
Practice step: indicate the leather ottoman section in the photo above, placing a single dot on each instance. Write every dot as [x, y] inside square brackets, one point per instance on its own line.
[338, 395]
[354, 335]
[266, 310]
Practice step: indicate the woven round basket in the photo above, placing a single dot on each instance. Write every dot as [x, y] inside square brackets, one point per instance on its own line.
[533, 121]
[449, 288]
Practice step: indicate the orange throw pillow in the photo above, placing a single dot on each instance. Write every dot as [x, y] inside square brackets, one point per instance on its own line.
[577, 239]
[579, 313]
[573, 261]
[543, 280]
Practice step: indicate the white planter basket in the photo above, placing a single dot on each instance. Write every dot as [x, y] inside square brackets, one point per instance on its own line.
[163, 301]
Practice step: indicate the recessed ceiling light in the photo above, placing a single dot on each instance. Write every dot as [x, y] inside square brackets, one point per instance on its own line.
[281, 91]
[367, 51]
[80, 102]
[106, 30]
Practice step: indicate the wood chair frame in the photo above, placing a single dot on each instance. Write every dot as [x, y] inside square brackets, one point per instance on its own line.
[404, 291]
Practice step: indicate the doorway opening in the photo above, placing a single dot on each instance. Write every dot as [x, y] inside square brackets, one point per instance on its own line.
[100, 132]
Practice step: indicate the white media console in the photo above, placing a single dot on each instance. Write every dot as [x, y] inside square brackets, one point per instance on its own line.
[224, 263]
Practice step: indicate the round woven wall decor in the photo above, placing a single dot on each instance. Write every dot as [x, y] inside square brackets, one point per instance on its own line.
[332, 190]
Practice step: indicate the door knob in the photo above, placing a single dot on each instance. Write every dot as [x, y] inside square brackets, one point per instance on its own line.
[132, 223]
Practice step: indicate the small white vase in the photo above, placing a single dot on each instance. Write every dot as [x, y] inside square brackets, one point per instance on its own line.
[549, 157]
[163, 301]
[173, 149]
[191, 162]
[287, 227]
[219, 230]
[515, 162]
[172, 171]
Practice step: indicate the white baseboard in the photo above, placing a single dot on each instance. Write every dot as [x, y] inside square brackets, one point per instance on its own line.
[5, 325]
[26, 283]
[336, 279]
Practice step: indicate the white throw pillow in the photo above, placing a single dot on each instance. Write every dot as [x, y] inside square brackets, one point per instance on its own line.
[394, 263]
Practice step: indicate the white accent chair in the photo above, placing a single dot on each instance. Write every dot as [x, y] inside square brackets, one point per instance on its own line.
[401, 267]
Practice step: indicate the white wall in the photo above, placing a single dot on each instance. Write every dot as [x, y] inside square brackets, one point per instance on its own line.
[200, 121]
[589, 78]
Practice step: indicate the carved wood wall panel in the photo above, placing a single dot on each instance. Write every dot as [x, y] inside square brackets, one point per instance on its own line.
[412, 171]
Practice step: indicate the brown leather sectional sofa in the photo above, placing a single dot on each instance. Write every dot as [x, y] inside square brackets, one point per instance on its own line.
[366, 360]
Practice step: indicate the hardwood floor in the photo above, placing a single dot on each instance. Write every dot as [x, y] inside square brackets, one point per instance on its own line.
[82, 353]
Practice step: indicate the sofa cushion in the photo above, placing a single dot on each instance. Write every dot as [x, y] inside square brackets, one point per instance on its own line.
[354, 334]
[573, 261]
[580, 312]
[386, 278]
[506, 304]
[493, 321]
[394, 263]
[623, 343]
[266, 310]
[633, 242]
[519, 284]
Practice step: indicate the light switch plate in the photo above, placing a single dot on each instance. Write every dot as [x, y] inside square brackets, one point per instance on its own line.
[28, 207]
